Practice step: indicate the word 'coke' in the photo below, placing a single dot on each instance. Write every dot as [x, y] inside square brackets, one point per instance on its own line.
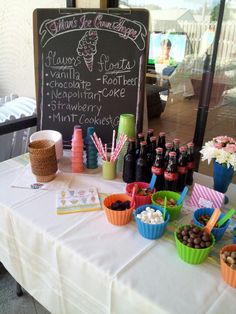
[170, 173]
[158, 169]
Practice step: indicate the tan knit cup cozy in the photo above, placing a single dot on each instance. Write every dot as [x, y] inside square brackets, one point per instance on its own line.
[43, 160]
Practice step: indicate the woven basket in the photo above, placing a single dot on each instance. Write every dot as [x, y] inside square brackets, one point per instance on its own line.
[43, 160]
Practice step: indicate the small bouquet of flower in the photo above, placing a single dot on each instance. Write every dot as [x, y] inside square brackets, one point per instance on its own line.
[222, 149]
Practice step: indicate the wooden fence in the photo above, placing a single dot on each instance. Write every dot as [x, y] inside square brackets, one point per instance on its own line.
[227, 43]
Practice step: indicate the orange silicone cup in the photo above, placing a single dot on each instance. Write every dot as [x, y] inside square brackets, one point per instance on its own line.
[139, 199]
[228, 273]
[118, 217]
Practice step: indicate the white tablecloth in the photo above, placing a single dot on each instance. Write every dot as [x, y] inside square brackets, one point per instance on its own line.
[79, 263]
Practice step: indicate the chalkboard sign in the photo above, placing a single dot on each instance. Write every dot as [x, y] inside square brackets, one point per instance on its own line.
[89, 68]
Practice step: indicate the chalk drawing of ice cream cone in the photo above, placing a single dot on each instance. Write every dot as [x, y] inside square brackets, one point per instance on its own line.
[63, 202]
[87, 48]
[74, 201]
[71, 192]
[63, 194]
[89, 62]
[84, 199]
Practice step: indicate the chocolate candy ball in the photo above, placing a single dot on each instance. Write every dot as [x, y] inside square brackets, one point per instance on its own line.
[194, 237]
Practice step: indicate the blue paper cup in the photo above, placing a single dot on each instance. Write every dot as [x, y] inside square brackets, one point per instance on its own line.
[150, 231]
[217, 232]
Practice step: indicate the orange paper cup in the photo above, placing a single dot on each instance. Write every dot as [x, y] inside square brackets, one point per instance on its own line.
[228, 273]
[118, 217]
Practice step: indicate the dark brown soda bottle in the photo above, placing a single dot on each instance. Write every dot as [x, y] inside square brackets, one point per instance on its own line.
[139, 140]
[141, 164]
[190, 163]
[158, 169]
[166, 156]
[150, 133]
[182, 168]
[175, 148]
[162, 141]
[129, 162]
[151, 156]
[170, 173]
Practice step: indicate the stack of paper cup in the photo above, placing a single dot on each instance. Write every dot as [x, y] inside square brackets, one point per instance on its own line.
[91, 151]
[77, 149]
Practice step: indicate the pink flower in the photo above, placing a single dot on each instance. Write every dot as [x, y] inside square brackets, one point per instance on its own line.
[232, 140]
[222, 139]
[230, 148]
[218, 145]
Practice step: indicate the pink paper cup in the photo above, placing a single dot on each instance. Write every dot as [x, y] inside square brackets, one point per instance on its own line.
[139, 199]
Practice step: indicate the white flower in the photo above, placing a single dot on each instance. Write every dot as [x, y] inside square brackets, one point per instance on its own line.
[223, 155]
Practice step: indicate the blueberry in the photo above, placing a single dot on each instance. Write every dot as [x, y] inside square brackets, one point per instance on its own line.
[127, 204]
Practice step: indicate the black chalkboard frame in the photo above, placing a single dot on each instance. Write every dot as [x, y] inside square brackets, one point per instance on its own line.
[143, 13]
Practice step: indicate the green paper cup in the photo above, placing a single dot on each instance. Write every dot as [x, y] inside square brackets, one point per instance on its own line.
[174, 211]
[192, 255]
[126, 125]
[109, 170]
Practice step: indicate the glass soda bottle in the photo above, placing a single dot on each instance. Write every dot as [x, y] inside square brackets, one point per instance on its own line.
[170, 173]
[150, 133]
[182, 168]
[139, 140]
[175, 148]
[129, 162]
[162, 141]
[166, 156]
[151, 156]
[141, 164]
[190, 163]
[158, 169]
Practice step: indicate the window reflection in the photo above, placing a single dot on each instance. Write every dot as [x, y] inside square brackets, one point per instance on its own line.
[197, 20]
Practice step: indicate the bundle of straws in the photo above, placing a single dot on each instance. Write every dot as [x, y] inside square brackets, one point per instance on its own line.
[102, 149]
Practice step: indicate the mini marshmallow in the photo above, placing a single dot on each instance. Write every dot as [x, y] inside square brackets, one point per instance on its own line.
[149, 215]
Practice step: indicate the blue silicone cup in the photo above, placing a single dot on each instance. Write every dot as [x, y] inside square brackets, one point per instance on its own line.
[217, 232]
[234, 235]
[150, 231]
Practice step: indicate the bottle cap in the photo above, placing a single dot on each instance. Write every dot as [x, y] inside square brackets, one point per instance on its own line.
[162, 134]
[183, 149]
[159, 150]
[172, 154]
[153, 138]
[168, 145]
[143, 143]
[176, 141]
[190, 144]
[141, 135]
[131, 139]
[150, 130]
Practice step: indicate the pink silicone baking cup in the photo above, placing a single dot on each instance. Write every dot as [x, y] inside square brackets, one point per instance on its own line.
[139, 199]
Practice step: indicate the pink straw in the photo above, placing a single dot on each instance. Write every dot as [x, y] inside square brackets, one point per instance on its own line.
[121, 142]
[97, 147]
[102, 148]
[106, 151]
[113, 143]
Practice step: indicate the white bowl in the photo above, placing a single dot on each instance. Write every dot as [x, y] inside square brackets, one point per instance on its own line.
[52, 135]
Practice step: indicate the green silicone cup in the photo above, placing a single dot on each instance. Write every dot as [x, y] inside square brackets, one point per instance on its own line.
[126, 125]
[109, 170]
[191, 255]
[173, 211]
